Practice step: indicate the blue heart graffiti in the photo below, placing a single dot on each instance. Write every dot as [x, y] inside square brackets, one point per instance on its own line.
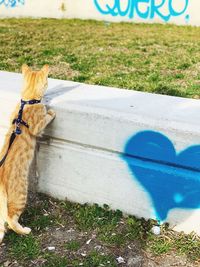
[171, 179]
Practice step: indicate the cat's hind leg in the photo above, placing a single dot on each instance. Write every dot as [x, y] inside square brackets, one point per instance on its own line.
[3, 212]
[16, 204]
[2, 229]
[17, 227]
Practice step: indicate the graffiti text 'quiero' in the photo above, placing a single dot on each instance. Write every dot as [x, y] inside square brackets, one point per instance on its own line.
[144, 9]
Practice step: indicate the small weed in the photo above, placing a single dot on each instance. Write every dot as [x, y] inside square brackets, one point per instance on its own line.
[81, 78]
[179, 76]
[183, 66]
[188, 245]
[113, 239]
[138, 229]
[91, 217]
[73, 245]
[42, 222]
[36, 218]
[95, 259]
[167, 90]
[71, 58]
[160, 246]
[154, 77]
[23, 248]
[53, 260]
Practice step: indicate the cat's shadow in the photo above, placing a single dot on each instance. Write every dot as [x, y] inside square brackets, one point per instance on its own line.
[57, 91]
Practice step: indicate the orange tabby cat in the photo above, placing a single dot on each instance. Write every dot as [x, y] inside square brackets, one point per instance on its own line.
[14, 170]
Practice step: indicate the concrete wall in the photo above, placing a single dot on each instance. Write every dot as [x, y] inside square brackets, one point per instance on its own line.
[173, 11]
[134, 151]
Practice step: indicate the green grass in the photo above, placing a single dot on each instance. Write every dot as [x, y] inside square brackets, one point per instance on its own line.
[154, 58]
[107, 229]
[160, 246]
[23, 248]
[92, 217]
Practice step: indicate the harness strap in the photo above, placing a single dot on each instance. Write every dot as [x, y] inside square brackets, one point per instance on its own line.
[12, 138]
[18, 121]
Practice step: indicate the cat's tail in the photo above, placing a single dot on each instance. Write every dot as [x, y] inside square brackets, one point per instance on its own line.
[3, 211]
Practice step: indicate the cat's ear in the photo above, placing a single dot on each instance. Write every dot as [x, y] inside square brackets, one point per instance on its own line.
[25, 68]
[45, 69]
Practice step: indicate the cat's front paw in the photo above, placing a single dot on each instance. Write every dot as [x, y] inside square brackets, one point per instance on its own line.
[52, 113]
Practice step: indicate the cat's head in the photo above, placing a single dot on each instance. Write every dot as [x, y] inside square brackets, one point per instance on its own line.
[35, 82]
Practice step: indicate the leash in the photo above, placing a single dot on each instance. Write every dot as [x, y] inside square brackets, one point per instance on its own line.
[18, 122]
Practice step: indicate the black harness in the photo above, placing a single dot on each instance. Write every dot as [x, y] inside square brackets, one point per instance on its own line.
[18, 122]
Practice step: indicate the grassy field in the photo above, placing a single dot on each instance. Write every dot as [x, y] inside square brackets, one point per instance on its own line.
[71, 235]
[163, 59]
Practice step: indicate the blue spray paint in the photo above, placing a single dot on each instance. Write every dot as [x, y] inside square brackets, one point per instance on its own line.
[171, 179]
[12, 3]
[150, 10]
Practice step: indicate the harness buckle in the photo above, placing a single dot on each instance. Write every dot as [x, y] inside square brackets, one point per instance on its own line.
[18, 121]
[18, 131]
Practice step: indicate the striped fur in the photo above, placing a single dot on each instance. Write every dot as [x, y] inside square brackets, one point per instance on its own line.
[14, 171]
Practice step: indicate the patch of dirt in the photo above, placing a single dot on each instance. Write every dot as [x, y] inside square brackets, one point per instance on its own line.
[63, 69]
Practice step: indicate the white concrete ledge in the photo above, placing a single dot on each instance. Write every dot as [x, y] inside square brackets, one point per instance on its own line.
[134, 151]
